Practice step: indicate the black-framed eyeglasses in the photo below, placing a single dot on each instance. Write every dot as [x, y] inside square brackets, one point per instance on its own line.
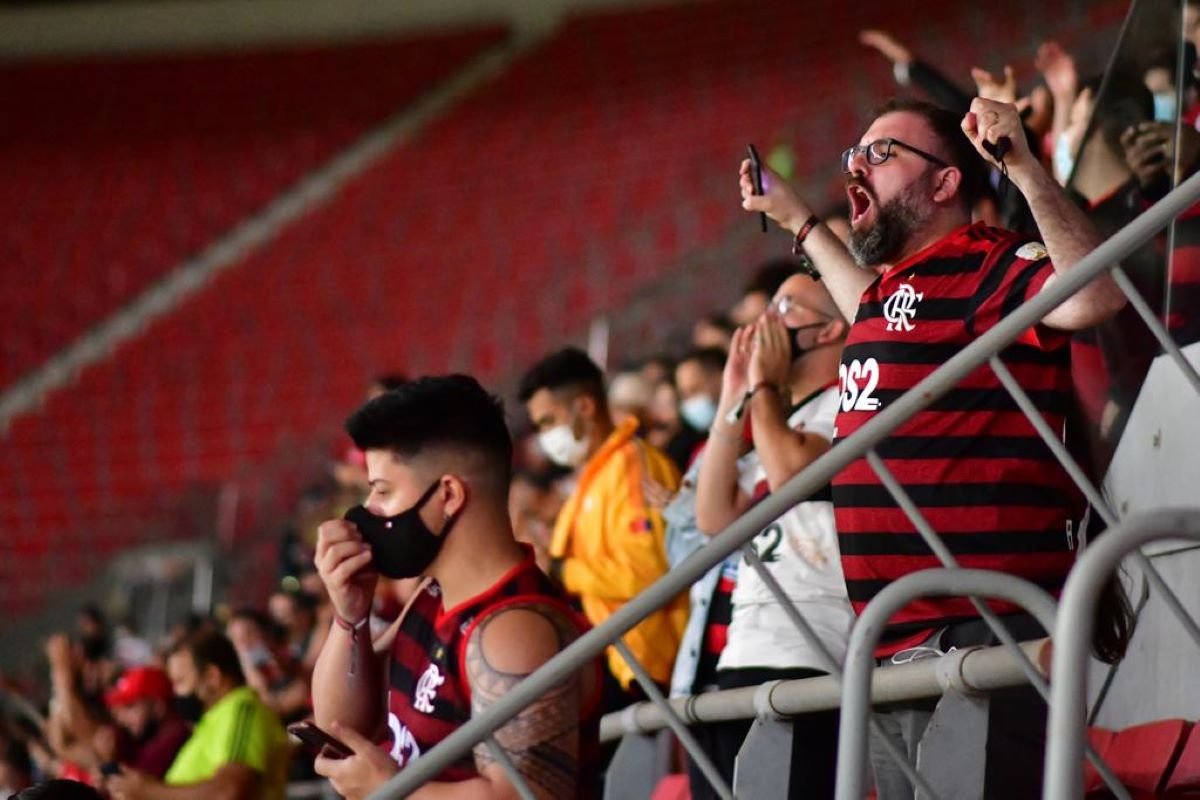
[880, 151]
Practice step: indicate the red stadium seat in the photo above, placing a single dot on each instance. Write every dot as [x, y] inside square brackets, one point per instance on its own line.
[591, 168]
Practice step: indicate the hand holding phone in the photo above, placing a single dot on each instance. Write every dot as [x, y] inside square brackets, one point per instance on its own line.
[316, 739]
[757, 178]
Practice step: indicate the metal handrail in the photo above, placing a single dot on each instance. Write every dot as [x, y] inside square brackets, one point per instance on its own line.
[869, 627]
[1073, 634]
[983, 670]
[1105, 257]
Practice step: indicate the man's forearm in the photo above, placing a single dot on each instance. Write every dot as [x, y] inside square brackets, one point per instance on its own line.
[716, 485]
[1069, 236]
[782, 451]
[347, 683]
[845, 280]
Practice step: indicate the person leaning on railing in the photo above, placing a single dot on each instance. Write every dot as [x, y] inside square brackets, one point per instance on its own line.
[782, 372]
[921, 282]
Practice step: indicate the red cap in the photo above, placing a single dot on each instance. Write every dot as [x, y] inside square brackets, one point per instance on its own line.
[140, 683]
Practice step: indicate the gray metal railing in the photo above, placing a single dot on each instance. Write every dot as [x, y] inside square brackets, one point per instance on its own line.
[818, 474]
[860, 661]
[1073, 633]
[986, 669]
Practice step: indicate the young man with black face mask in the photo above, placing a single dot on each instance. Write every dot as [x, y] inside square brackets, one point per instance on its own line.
[782, 371]
[238, 748]
[607, 543]
[439, 461]
[921, 282]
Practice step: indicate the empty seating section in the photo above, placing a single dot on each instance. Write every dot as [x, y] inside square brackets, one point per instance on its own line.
[587, 169]
[119, 170]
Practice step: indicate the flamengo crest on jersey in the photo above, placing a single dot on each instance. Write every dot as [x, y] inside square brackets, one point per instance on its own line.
[901, 307]
[427, 688]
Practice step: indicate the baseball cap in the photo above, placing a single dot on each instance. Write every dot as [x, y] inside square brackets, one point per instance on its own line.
[140, 683]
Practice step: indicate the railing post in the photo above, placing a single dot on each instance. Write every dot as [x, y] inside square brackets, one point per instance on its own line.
[1073, 635]
[860, 657]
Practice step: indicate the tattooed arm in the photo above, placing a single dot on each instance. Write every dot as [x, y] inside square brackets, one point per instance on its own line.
[544, 739]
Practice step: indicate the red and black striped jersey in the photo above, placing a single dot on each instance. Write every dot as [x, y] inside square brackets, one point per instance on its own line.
[971, 462]
[429, 694]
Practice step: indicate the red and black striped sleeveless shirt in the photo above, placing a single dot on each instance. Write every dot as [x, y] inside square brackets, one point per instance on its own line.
[971, 461]
[429, 695]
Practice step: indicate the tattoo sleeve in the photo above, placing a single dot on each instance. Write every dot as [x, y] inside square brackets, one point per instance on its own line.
[543, 739]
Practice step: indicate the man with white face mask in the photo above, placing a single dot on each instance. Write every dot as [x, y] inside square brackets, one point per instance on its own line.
[608, 540]
[698, 381]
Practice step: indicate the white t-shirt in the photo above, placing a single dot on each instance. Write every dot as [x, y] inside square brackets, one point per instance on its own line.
[801, 551]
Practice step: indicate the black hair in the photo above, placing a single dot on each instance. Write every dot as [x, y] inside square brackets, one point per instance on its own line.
[771, 275]
[541, 478]
[389, 381]
[1125, 103]
[956, 149]
[569, 368]
[93, 614]
[720, 321]
[269, 628]
[711, 359]
[435, 412]
[59, 789]
[16, 755]
[212, 648]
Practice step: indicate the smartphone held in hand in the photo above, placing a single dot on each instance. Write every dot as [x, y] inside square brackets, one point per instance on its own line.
[317, 740]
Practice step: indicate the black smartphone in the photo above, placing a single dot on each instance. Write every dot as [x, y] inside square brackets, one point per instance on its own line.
[756, 178]
[317, 739]
[110, 768]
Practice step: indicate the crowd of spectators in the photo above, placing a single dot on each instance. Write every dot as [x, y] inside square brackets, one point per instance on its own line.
[619, 477]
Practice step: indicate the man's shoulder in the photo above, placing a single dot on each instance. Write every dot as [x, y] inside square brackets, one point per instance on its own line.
[518, 637]
[640, 454]
[241, 707]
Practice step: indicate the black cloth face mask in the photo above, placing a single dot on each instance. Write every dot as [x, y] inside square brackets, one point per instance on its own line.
[401, 546]
[190, 707]
[798, 350]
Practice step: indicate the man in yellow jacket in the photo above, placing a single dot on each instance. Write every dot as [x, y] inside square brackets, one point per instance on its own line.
[607, 544]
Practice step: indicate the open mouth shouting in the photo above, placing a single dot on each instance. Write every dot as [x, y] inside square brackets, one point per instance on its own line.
[861, 200]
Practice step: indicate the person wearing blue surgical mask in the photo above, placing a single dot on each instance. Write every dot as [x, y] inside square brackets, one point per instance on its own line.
[698, 382]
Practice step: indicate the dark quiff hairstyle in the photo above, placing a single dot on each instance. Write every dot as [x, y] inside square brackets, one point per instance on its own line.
[954, 146]
[444, 412]
[569, 368]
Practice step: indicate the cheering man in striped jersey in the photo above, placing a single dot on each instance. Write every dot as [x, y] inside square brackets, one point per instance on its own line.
[920, 282]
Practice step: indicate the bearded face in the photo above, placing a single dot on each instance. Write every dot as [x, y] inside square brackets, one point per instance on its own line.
[882, 240]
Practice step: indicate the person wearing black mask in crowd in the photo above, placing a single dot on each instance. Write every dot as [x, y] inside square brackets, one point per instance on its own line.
[142, 704]
[238, 748]
[439, 462]
[782, 372]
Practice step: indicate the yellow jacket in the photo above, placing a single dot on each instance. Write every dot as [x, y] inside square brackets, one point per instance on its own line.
[612, 548]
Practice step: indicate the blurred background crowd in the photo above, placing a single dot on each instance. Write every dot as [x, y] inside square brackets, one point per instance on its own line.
[103, 691]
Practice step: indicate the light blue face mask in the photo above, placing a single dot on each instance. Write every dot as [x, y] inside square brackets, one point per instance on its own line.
[699, 411]
[1164, 106]
[1064, 160]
